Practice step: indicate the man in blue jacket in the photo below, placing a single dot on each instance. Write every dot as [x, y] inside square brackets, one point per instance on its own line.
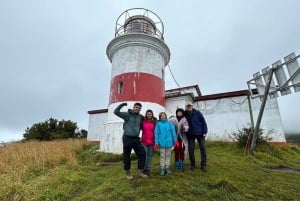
[197, 131]
[131, 140]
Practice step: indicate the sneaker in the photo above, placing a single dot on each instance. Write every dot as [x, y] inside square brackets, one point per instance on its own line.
[203, 168]
[128, 175]
[142, 174]
[192, 167]
[168, 171]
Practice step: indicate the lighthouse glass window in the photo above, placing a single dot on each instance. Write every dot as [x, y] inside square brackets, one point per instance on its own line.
[120, 87]
[139, 26]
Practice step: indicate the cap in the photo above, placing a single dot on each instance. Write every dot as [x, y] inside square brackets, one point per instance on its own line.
[189, 103]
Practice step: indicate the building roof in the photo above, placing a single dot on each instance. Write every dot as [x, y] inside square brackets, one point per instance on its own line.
[184, 90]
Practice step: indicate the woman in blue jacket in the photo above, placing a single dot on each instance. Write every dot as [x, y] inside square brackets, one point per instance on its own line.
[165, 138]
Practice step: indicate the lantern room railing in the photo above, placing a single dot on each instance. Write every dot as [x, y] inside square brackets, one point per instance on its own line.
[139, 21]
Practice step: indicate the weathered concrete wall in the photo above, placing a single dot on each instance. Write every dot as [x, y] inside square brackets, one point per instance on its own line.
[227, 115]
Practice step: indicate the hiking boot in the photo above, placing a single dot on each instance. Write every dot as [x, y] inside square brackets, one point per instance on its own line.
[147, 172]
[142, 174]
[177, 165]
[168, 171]
[128, 175]
[162, 171]
[203, 168]
[182, 165]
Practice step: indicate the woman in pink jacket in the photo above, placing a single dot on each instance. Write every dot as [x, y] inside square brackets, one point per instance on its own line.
[148, 125]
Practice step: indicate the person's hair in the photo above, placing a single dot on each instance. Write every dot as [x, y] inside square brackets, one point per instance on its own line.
[149, 111]
[153, 117]
[161, 114]
[179, 110]
[137, 104]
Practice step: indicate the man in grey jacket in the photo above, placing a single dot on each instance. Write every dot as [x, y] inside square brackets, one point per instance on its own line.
[131, 140]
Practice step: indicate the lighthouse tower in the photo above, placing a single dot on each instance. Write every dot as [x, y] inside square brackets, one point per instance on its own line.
[138, 55]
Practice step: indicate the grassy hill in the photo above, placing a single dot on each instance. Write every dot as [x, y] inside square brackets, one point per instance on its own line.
[74, 170]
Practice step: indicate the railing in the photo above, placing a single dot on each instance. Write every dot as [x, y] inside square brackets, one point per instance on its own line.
[139, 21]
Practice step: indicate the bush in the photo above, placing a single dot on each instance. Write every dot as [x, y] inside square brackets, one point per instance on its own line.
[52, 129]
[244, 136]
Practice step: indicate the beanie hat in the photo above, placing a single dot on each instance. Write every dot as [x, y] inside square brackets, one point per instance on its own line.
[179, 110]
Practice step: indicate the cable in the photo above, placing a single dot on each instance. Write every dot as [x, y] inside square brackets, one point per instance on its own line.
[173, 77]
[241, 103]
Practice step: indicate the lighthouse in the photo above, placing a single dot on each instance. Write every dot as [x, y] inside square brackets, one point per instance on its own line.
[138, 56]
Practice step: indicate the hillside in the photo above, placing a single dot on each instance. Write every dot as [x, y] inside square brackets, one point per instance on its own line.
[74, 170]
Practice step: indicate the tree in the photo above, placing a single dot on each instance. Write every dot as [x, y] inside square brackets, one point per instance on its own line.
[53, 129]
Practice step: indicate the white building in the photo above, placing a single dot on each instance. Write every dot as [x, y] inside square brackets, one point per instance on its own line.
[225, 113]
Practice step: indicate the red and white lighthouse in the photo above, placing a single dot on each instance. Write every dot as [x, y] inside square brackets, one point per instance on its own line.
[138, 55]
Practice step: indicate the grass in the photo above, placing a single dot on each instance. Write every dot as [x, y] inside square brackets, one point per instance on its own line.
[74, 170]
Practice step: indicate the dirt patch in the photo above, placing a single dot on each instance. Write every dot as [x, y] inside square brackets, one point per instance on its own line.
[108, 164]
[287, 169]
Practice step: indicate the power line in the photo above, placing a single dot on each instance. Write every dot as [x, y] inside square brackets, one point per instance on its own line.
[173, 76]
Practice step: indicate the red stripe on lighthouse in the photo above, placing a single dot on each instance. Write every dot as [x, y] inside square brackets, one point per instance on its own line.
[136, 86]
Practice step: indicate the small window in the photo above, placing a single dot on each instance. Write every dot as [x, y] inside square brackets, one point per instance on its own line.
[120, 87]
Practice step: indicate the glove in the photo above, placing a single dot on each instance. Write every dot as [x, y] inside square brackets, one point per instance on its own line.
[156, 146]
[123, 104]
[185, 129]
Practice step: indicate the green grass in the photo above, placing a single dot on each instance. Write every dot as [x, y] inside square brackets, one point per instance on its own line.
[99, 176]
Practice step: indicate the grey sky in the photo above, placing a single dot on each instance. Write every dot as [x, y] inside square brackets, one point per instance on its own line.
[53, 61]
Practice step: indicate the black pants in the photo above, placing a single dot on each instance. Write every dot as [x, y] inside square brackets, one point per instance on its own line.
[201, 142]
[134, 143]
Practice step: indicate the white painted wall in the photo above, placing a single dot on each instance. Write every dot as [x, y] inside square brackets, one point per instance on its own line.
[227, 115]
[137, 59]
[109, 131]
[224, 116]
[96, 126]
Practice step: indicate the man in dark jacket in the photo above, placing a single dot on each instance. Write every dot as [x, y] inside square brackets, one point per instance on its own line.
[198, 131]
[131, 140]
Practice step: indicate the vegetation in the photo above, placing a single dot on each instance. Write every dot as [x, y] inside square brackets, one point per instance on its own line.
[54, 129]
[74, 170]
[244, 136]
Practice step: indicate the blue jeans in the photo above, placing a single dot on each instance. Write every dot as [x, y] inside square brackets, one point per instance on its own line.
[149, 149]
[201, 142]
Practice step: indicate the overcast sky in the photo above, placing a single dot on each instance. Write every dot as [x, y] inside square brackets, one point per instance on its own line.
[53, 52]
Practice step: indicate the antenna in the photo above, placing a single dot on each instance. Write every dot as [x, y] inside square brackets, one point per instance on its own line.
[281, 78]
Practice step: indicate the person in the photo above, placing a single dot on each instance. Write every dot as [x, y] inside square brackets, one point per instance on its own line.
[165, 138]
[181, 127]
[197, 130]
[148, 125]
[131, 140]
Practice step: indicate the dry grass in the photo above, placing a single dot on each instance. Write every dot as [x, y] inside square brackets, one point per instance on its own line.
[49, 171]
[21, 157]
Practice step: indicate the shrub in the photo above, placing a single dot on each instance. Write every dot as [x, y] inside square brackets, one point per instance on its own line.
[244, 136]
